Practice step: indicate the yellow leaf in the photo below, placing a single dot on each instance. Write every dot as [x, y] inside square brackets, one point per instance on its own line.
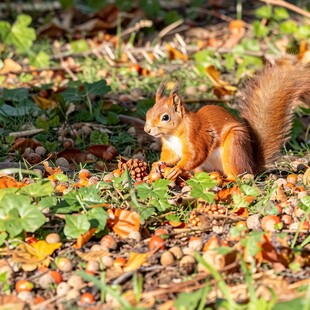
[44, 103]
[34, 253]
[136, 260]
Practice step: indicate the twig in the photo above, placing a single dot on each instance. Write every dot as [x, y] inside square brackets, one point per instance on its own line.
[289, 6]
[170, 27]
[25, 133]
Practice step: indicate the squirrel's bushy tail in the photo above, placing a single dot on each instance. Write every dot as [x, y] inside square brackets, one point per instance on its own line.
[267, 106]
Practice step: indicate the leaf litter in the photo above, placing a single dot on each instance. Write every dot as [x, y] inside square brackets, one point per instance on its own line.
[69, 204]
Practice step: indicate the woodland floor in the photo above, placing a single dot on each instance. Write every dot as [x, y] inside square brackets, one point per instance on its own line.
[80, 224]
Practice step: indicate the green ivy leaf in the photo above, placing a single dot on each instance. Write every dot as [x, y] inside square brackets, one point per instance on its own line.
[264, 11]
[288, 27]
[40, 60]
[200, 185]
[305, 203]
[146, 212]
[240, 201]
[40, 189]
[280, 14]
[76, 225]
[98, 137]
[97, 218]
[249, 190]
[12, 223]
[260, 30]
[31, 218]
[99, 88]
[19, 35]
[158, 189]
[79, 46]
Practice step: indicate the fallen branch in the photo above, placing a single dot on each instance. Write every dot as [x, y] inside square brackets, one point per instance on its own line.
[289, 6]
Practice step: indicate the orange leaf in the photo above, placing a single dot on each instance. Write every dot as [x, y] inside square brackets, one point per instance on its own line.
[173, 53]
[9, 65]
[8, 181]
[136, 260]
[221, 87]
[82, 239]
[123, 222]
[51, 171]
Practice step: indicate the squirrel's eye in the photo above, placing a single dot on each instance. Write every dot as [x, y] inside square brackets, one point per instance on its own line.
[165, 118]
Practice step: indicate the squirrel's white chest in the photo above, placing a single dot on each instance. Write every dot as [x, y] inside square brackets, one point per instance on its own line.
[174, 144]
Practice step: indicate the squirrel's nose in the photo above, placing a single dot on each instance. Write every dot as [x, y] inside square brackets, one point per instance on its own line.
[147, 129]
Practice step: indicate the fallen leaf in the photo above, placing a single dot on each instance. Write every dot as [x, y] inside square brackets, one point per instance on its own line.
[36, 253]
[173, 53]
[9, 65]
[107, 152]
[74, 155]
[93, 255]
[45, 103]
[123, 222]
[82, 239]
[136, 260]
[8, 181]
[22, 143]
[237, 32]
[51, 171]
[221, 88]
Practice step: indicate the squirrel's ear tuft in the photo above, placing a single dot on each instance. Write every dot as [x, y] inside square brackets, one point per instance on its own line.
[160, 91]
[177, 104]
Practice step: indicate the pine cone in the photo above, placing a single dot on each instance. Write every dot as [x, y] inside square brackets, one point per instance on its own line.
[137, 168]
[197, 217]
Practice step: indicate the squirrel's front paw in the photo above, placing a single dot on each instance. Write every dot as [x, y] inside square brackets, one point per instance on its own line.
[173, 173]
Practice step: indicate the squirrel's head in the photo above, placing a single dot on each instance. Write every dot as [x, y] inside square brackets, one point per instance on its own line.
[166, 114]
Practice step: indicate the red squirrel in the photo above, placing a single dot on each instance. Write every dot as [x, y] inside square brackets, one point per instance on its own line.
[211, 139]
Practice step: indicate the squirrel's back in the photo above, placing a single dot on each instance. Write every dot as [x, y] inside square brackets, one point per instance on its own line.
[267, 106]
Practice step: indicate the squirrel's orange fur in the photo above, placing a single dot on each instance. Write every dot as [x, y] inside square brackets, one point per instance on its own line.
[212, 139]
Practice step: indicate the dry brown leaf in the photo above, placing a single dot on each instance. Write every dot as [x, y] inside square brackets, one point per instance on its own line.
[105, 151]
[74, 155]
[93, 255]
[306, 178]
[45, 103]
[11, 302]
[211, 255]
[22, 143]
[221, 88]
[237, 32]
[9, 65]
